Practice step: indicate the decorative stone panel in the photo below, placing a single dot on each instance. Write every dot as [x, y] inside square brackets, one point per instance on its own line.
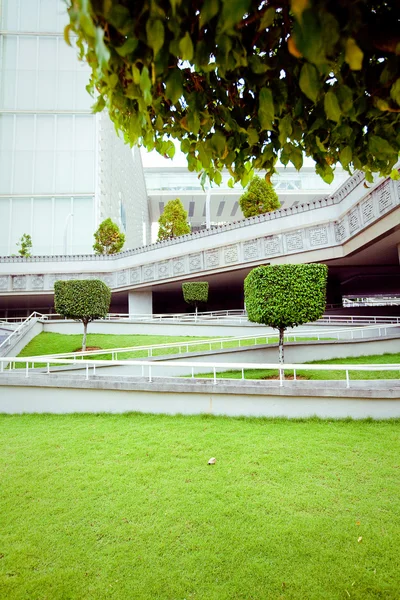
[195, 262]
[163, 269]
[272, 245]
[4, 282]
[212, 258]
[19, 282]
[340, 231]
[294, 241]
[250, 249]
[354, 220]
[108, 279]
[385, 198]
[134, 275]
[367, 210]
[37, 282]
[318, 236]
[178, 266]
[148, 273]
[231, 254]
[122, 278]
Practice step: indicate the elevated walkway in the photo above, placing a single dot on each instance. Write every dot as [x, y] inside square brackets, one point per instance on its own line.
[327, 230]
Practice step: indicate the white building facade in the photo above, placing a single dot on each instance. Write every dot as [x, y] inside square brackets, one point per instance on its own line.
[62, 169]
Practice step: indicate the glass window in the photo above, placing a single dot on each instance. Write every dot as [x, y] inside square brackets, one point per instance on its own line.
[46, 90]
[29, 10]
[6, 132]
[48, 15]
[7, 89]
[9, 15]
[27, 57]
[26, 86]
[23, 172]
[45, 132]
[5, 172]
[84, 172]
[65, 90]
[64, 165]
[24, 132]
[44, 173]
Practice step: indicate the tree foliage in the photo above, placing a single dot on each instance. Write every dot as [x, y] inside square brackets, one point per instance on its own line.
[195, 292]
[259, 198]
[108, 238]
[83, 300]
[173, 221]
[242, 83]
[25, 245]
[283, 296]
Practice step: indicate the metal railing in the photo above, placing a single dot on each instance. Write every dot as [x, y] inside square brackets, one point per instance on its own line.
[234, 342]
[149, 369]
[22, 329]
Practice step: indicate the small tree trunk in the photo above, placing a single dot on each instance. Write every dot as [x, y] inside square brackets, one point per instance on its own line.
[195, 318]
[85, 324]
[281, 355]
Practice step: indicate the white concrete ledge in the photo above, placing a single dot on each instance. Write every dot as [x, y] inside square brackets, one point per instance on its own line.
[62, 394]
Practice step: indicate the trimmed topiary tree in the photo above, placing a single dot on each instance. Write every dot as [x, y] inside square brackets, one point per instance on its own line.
[173, 221]
[83, 300]
[283, 296]
[108, 238]
[195, 292]
[259, 198]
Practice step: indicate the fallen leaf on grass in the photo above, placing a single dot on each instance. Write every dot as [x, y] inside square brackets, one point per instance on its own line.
[360, 539]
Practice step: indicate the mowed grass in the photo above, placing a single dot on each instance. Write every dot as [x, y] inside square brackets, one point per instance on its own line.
[56, 343]
[375, 359]
[125, 506]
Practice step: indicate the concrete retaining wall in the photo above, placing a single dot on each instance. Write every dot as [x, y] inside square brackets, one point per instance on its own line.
[258, 399]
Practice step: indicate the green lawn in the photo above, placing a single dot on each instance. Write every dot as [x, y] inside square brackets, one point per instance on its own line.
[56, 343]
[126, 507]
[375, 359]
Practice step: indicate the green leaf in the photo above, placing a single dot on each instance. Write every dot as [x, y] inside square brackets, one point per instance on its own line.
[218, 178]
[353, 55]
[326, 172]
[67, 29]
[155, 35]
[113, 80]
[209, 9]
[267, 19]
[174, 88]
[345, 156]
[145, 85]
[309, 81]
[332, 108]
[186, 47]
[252, 136]
[218, 142]
[102, 52]
[128, 47]
[266, 112]
[394, 174]
[285, 129]
[378, 145]
[395, 91]
[98, 105]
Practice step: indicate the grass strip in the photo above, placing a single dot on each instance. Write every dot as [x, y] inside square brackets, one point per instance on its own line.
[125, 506]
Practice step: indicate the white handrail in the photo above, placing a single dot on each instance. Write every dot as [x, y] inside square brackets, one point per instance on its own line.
[345, 333]
[152, 366]
[16, 332]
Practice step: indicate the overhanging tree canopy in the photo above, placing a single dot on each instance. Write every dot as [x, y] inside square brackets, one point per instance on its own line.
[241, 83]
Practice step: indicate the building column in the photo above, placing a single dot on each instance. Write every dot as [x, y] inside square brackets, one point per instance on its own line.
[140, 302]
